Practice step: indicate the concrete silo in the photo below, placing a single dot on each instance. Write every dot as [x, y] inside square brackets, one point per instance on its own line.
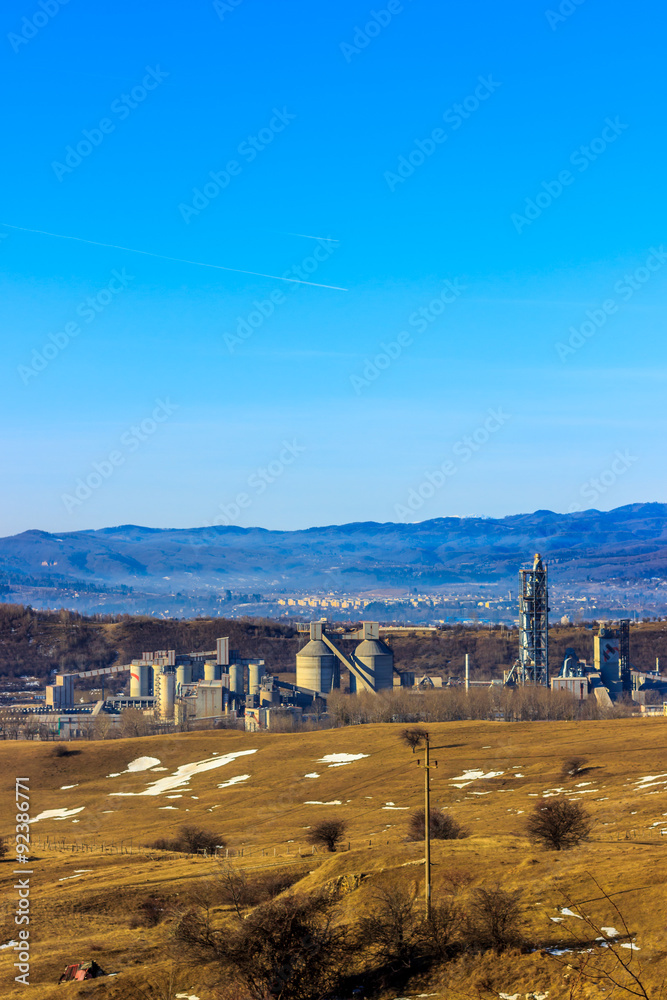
[212, 670]
[167, 690]
[236, 679]
[375, 659]
[315, 663]
[256, 672]
[183, 674]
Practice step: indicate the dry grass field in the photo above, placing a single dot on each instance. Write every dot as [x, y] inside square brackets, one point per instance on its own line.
[261, 793]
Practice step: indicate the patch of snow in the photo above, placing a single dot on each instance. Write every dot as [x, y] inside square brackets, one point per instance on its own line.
[390, 803]
[194, 797]
[395, 808]
[509, 996]
[10, 944]
[473, 775]
[479, 793]
[109, 811]
[569, 913]
[82, 871]
[186, 996]
[179, 796]
[159, 769]
[185, 772]
[556, 920]
[580, 784]
[116, 774]
[340, 759]
[518, 776]
[68, 877]
[64, 788]
[631, 946]
[313, 774]
[234, 781]
[336, 802]
[609, 931]
[168, 807]
[143, 763]
[57, 814]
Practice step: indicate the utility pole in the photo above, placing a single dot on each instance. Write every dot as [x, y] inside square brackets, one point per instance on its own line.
[416, 738]
[467, 672]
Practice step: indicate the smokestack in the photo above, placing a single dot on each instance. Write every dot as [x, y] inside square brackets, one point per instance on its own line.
[467, 672]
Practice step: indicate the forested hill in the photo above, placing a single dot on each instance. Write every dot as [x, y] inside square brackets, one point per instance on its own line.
[628, 544]
[36, 642]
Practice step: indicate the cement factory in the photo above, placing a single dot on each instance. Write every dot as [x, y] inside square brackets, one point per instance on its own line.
[219, 687]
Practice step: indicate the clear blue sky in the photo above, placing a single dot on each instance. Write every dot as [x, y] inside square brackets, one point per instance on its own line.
[170, 93]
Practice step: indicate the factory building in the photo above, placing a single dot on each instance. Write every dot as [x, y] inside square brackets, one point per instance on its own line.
[370, 666]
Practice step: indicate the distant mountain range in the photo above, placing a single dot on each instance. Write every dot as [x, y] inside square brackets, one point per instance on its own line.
[626, 544]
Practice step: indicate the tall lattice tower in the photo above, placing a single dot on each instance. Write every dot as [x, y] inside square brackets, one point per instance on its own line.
[533, 664]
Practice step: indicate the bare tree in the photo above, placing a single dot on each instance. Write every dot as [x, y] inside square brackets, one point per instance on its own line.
[558, 824]
[327, 833]
[616, 965]
[414, 737]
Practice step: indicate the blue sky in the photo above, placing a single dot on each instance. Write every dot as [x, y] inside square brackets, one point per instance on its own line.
[540, 199]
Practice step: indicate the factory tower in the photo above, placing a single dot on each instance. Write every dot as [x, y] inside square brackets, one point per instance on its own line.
[533, 664]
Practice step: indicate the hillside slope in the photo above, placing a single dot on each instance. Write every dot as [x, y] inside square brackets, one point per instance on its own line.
[263, 791]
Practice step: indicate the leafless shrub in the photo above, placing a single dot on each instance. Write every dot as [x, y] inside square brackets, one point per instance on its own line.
[574, 766]
[190, 839]
[390, 926]
[286, 948]
[150, 912]
[442, 826]
[494, 918]
[558, 824]
[327, 833]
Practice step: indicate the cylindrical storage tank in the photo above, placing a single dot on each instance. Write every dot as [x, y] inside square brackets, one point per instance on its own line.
[377, 660]
[256, 672]
[315, 665]
[212, 671]
[236, 678]
[135, 680]
[167, 691]
[184, 673]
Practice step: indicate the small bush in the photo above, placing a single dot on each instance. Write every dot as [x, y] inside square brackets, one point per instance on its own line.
[62, 750]
[149, 912]
[442, 826]
[574, 766]
[558, 824]
[327, 833]
[190, 839]
[495, 917]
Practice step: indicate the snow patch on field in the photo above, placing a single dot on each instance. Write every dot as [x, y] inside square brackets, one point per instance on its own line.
[313, 774]
[340, 759]
[335, 802]
[473, 775]
[64, 788]
[234, 781]
[57, 814]
[397, 808]
[185, 772]
[569, 913]
[10, 944]
[650, 781]
[609, 931]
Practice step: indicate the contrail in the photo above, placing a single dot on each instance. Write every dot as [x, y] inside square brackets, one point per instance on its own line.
[178, 260]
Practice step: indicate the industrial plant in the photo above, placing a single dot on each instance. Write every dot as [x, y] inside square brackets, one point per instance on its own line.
[221, 687]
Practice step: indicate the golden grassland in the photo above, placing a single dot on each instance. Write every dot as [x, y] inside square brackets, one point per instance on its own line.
[82, 903]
